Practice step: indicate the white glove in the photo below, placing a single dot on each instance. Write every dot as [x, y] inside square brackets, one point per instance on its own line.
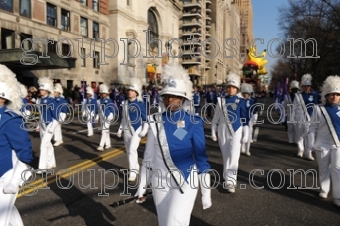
[97, 117]
[119, 133]
[62, 116]
[311, 140]
[204, 179]
[254, 119]
[245, 136]
[144, 131]
[13, 185]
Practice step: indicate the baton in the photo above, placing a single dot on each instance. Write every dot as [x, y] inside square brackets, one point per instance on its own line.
[128, 200]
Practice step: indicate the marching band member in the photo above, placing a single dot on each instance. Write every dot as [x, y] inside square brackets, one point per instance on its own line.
[302, 112]
[324, 135]
[106, 110]
[246, 90]
[176, 144]
[47, 124]
[230, 120]
[289, 100]
[15, 147]
[134, 113]
[91, 107]
[61, 109]
[197, 100]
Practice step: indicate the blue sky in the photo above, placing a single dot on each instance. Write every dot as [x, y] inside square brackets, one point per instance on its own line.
[265, 25]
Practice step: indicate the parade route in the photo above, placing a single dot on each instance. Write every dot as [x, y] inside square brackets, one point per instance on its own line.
[269, 191]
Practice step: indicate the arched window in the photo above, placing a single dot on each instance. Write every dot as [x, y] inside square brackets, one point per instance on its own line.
[153, 28]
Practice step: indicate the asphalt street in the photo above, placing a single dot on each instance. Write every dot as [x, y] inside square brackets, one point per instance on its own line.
[85, 183]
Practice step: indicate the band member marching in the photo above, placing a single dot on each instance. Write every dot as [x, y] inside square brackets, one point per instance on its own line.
[323, 138]
[230, 120]
[90, 109]
[197, 101]
[134, 114]
[15, 147]
[176, 150]
[106, 111]
[47, 123]
[246, 90]
[61, 111]
[303, 108]
[288, 101]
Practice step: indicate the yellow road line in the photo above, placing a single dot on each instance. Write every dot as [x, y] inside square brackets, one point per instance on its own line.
[39, 183]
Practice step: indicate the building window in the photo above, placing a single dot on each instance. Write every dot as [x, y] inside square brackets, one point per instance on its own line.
[51, 15]
[65, 49]
[153, 28]
[7, 39]
[83, 2]
[6, 5]
[83, 26]
[83, 58]
[96, 59]
[95, 28]
[95, 5]
[128, 2]
[52, 48]
[25, 8]
[69, 84]
[27, 45]
[65, 20]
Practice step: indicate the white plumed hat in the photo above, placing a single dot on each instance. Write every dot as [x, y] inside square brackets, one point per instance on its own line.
[58, 88]
[46, 83]
[234, 80]
[89, 90]
[176, 82]
[246, 88]
[23, 90]
[135, 84]
[103, 89]
[9, 89]
[306, 80]
[330, 85]
[294, 85]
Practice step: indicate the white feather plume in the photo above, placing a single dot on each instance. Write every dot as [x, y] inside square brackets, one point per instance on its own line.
[306, 77]
[176, 71]
[12, 89]
[47, 80]
[23, 90]
[331, 83]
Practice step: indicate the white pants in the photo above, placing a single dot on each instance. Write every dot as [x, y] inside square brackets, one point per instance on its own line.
[245, 147]
[57, 134]
[291, 132]
[47, 158]
[173, 207]
[329, 168]
[230, 148]
[90, 127]
[301, 138]
[131, 144]
[105, 127]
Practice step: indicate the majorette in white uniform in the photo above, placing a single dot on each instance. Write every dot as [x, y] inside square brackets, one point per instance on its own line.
[90, 109]
[106, 110]
[177, 146]
[134, 114]
[47, 123]
[15, 147]
[61, 111]
[288, 105]
[303, 107]
[246, 90]
[230, 121]
[323, 138]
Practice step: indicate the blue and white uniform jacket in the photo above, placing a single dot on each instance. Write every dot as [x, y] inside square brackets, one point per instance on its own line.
[13, 137]
[47, 110]
[106, 106]
[134, 114]
[304, 101]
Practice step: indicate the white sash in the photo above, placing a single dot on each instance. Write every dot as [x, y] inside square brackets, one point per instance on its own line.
[330, 126]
